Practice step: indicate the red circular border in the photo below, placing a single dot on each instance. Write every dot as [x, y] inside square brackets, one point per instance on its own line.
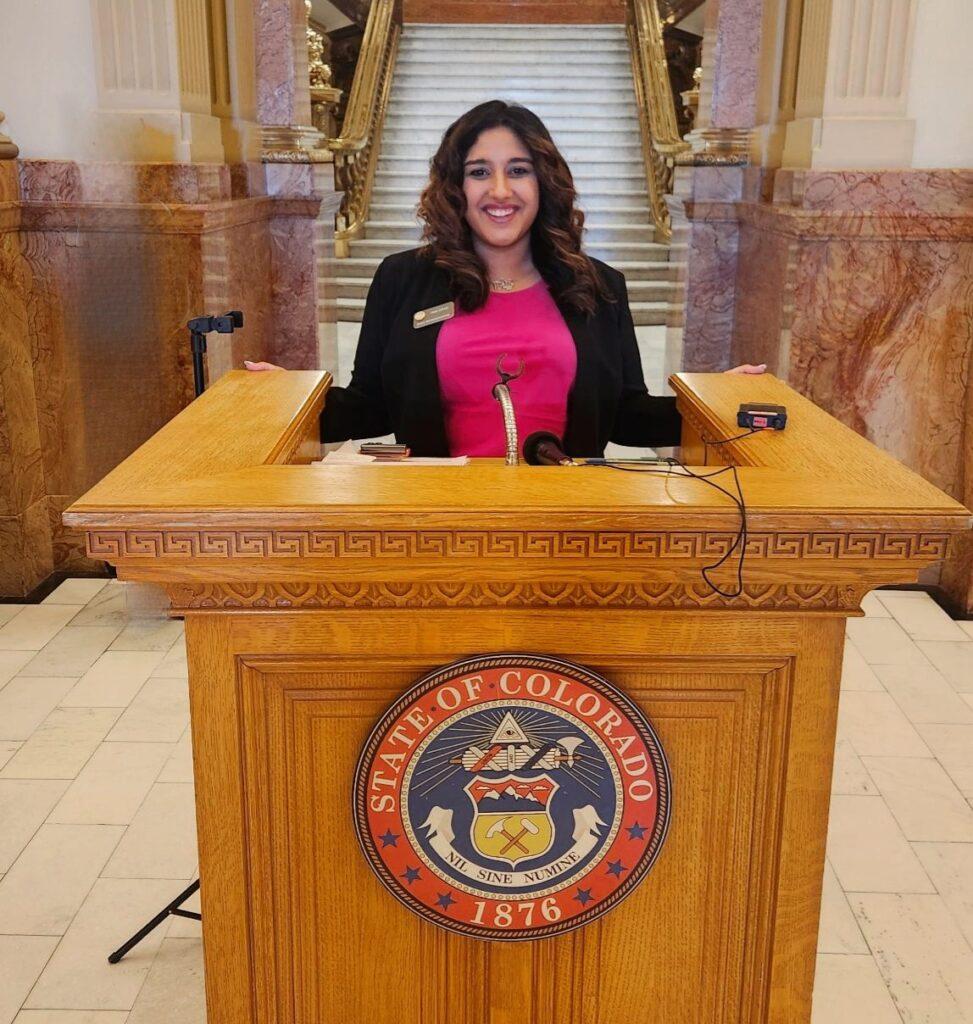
[389, 861]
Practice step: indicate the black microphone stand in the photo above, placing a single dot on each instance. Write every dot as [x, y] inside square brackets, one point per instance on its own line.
[174, 909]
[199, 327]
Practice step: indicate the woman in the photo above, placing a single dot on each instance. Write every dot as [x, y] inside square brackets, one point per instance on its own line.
[502, 273]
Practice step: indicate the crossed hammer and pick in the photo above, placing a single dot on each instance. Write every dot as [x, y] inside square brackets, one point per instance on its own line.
[501, 826]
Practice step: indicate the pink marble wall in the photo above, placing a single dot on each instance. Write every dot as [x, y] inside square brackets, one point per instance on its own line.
[25, 532]
[857, 287]
[930, 192]
[101, 266]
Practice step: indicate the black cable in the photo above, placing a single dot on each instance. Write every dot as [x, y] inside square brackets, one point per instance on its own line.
[739, 542]
[727, 440]
[741, 537]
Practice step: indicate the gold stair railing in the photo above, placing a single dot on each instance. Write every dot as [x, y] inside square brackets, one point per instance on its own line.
[657, 108]
[356, 149]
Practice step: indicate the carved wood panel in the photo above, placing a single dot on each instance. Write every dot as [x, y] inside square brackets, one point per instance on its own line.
[331, 945]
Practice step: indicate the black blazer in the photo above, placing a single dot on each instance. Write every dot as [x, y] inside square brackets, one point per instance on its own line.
[395, 384]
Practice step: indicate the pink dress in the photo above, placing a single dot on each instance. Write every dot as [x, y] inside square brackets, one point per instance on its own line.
[525, 325]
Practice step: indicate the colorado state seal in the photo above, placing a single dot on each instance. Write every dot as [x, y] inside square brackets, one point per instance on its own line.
[512, 797]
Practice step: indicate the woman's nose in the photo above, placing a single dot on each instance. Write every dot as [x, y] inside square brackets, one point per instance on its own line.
[501, 186]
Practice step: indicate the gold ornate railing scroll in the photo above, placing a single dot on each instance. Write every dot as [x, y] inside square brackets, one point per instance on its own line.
[356, 149]
[657, 108]
[8, 151]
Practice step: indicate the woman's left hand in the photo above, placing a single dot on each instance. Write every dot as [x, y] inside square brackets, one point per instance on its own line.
[748, 368]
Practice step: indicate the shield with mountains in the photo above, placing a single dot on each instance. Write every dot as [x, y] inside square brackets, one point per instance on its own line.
[512, 817]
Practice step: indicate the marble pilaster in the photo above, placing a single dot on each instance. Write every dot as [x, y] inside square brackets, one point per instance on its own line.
[705, 239]
[283, 87]
[709, 182]
[852, 86]
[155, 80]
[854, 286]
[302, 244]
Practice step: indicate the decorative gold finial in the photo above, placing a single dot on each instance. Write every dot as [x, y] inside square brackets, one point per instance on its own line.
[324, 96]
[8, 151]
[319, 72]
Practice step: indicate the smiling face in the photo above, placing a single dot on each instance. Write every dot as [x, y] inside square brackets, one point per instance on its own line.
[500, 184]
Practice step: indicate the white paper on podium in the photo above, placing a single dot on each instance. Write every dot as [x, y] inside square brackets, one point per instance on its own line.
[348, 455]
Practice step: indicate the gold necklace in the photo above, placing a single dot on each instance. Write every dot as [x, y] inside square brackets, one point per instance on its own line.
[505, 284]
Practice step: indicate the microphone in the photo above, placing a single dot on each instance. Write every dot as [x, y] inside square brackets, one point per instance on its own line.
[542, 448]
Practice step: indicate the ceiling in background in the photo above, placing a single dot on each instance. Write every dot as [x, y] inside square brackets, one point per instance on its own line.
[685, 14]
[330, 17]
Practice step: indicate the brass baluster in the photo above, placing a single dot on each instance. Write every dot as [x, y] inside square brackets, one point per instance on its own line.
[658, 125]
[356, 149]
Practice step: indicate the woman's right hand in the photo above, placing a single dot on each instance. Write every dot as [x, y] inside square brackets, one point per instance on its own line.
[256, 367]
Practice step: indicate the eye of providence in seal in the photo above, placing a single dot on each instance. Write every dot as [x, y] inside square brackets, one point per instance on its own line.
[512, 797]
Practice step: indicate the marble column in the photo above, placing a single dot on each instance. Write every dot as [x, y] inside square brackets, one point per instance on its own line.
[852, 82]
[709, 181]
[728, 88]
[154, 78]
[283, 87]
[299, 173]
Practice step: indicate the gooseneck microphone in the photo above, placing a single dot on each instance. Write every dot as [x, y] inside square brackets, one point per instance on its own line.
[542, 448]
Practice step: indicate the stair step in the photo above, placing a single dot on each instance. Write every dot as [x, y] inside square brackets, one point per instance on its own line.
[361, 266]
[638, 291]
[589, 101]
[425, 50]
[434, 32]
[627, 152]
[468, 64]
[606, 251]
[515, 81]
[593, 232]
[439, 111]
[581, 164]
[643, 313]
[600, 214]
[433, 125]
[607, 198]
[555, 30]
[586, 184]
[394, 137]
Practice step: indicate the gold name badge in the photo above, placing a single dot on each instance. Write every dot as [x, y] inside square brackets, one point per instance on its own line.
[433, 315]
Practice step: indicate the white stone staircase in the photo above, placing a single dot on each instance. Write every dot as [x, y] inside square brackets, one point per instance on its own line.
[578, 80]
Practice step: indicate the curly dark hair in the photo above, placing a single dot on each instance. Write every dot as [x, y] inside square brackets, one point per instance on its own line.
[555, 235]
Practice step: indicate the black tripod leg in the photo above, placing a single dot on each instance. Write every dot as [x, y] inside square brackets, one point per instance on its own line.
[154, 923]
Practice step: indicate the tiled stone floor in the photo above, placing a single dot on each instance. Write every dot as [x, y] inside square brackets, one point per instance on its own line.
[96, 819]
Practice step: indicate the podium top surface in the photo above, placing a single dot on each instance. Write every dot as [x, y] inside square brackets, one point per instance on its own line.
[224, 457]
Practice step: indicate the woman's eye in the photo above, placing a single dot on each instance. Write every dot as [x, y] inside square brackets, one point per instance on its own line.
[478, 172]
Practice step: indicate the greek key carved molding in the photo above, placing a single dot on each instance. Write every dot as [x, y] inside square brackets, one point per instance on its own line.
[796, 597]
[208, 543]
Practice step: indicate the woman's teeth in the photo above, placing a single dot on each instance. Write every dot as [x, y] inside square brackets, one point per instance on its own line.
[500, 213]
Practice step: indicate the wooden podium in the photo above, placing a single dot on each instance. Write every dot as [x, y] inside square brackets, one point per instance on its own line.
[314, 595]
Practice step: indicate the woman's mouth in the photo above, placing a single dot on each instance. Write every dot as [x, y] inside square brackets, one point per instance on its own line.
[500, 214]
